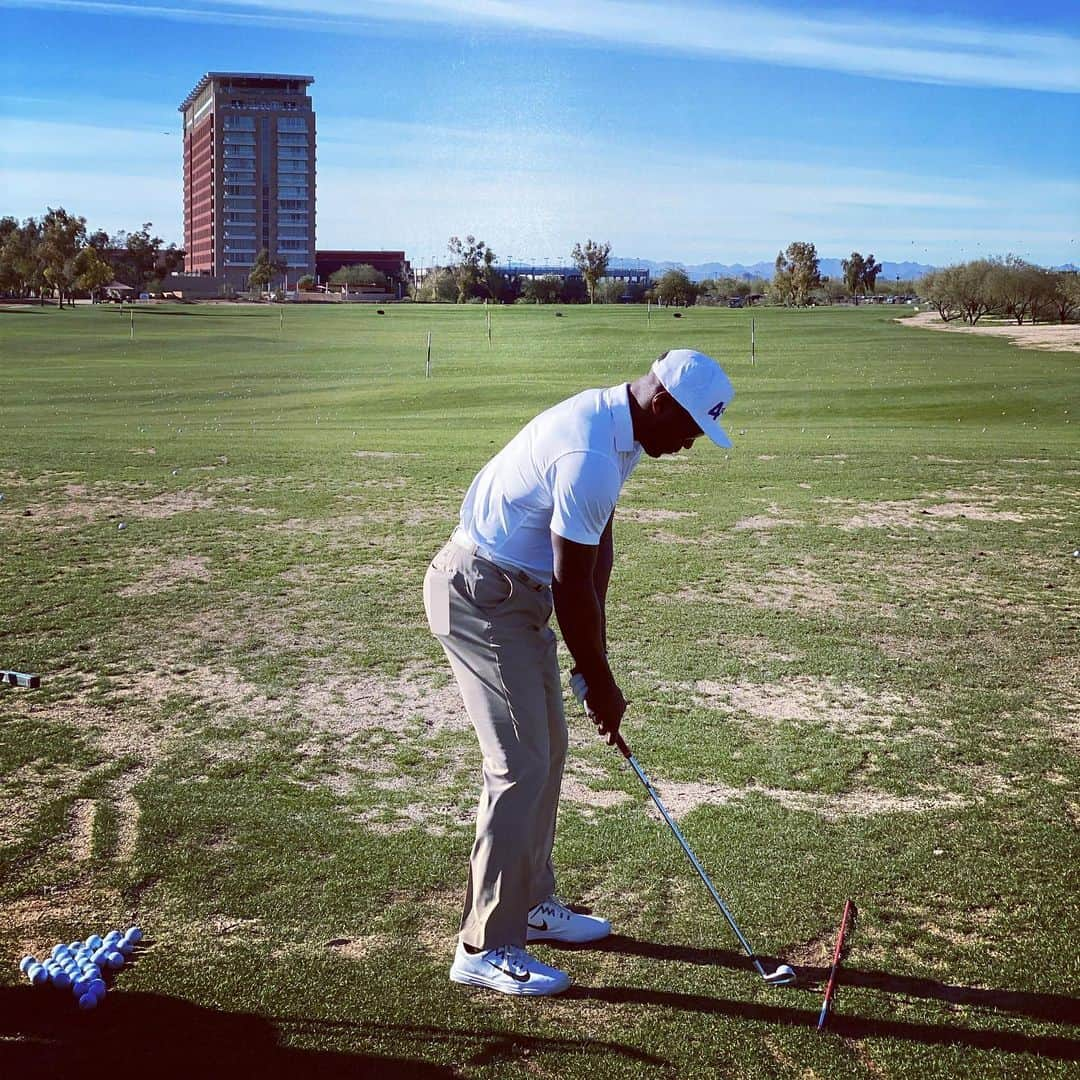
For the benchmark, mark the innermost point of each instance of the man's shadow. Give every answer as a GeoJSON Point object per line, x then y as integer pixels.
{"type": "Point", "coordinates": [1053, 1008]}
{"type": "Point", "coordinates": [44, 1034]}
{"type": "Point", "coordinates": [132, 1034]}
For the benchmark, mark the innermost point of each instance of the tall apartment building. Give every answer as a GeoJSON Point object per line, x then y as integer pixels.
{"type": "Point", "coordinates": [249, 174]}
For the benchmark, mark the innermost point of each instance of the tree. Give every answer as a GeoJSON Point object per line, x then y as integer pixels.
{"type": "Point", "coordinates": [62, 235]}
{"type": "Point", "coordinates": [261, 271]}
{"type": "Point", "coordinates": [360, 274]}
{"type": "Point", "coordinates": [23, 261]}
{"type": "Point", "coordinates": [676, 288]}
{"type": "Point", "coordinates": [1021, 289]}
{"type": "Point", "coordinates": [472, 260]}
{"type": "Point", "coordinates": [141, 251]}
{"type": "Point", "coordinates": [942, 289]}
{"type": "Point", "coordinates": [1065, 296]}
{"type": "Point", "coordinates": [853, 273]}
{"type": "Point", "coordinates": [797, 269]}
{"type": "Point", "coordinates": [871, 269]}
{"type": "Point", "coordinates": [306, 284]}
{"type": "Point", "coordinates": [974, 284]}
{"type": "Point", "coordinates": [544, 290]}
{"type": "Point", "coordinates": [91, 271]}
{"type": "Point", "coordinates": [592, 261]}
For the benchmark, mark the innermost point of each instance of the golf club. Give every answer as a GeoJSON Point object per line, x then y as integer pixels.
{"type": "Point", "coordinates": [784, 974]}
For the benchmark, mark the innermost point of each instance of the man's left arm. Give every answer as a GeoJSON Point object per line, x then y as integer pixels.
{"type": "Point", "coordinates": [605, 559]}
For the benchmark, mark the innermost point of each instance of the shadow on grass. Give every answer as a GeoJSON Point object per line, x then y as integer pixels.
{"type": "Point", "coordinates": [43, 1034]}
{"type": "Point", "coordinates": [483, 1048]}
{"type": "Point", "coordinates": [1053, 1008]}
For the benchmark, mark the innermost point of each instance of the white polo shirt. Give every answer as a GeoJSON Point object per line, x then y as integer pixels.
{"type": "Point", "coordinates": [561, 473]}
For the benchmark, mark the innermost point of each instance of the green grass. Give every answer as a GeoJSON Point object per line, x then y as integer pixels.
{"type": "Point", "coordinates": [852, 669]}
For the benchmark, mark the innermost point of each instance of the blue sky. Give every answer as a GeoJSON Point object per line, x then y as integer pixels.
{"type": "Point", "coordinates": [686, 130]}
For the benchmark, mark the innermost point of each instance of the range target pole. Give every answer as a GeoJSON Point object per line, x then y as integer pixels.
{"type": "Point", "coordinates": [753, 348]}
{"type": "Point", "coordinates": [132, 324]}
{"type": "Point", "coordinates": [428, 367]}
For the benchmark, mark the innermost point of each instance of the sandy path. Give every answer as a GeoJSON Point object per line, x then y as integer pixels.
{"type": "Point", "coordinates": [1056, 336]}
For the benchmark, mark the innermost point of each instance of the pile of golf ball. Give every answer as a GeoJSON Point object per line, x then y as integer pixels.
{"type": "Point", "coordinates": [79, 966]}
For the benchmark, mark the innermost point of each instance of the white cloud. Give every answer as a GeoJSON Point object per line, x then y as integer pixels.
{"type": "Point", "coordinates": [923, 49]}
{"type": "Point", "coordinates": [532, 194]}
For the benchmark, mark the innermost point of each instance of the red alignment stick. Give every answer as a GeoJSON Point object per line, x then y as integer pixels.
{"type": "Point", "coordinates": [849, 911]}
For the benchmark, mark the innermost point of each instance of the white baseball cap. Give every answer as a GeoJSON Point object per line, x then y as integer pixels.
{"type": "Point", "coordinates": [699, 385]}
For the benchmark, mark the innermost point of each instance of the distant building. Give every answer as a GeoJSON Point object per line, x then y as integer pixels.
{"type": "Point", "coordinates": [391, 263]}
{"type": "Point", "coordinates": [249, 174]}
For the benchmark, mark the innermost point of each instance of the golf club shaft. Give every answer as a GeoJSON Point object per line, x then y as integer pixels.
{"type": "Point", "coordinates": [620, 742]}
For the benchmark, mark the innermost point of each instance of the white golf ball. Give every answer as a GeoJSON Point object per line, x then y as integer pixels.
{"type": "Point", "coordinates": [88, 1001]}
{"type": "Point", "coordinates": [37, 974]}
{"type": "Point", "coordinates": [25, 962]}
{"type": "Point", "coordinates": [99, 956]}
{"type": "Point", "coordinates": [94, 941]}
{"type": "Point", "coordinates": [112, 937]}
{"type": "Point", "coordinates": [61, 979]}
{"type": "Point", "coordinates": [97, 987]}
{"type": "Point", "coordinates": [115, 959]}
{"type": "Point", "coordinates": [133, 933]}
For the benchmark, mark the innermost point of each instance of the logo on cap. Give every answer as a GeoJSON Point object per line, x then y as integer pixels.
{"type": "Point", "coordinates": [717, 409]}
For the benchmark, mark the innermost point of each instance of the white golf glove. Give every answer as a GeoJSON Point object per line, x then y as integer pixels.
{"type": "Point", "coordinates": [578, 686]}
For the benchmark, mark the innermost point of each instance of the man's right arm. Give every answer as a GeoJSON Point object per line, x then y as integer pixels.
{"type": "Point", "coordinates": [581, 619]}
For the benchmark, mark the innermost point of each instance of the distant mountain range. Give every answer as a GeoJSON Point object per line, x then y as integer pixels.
{"type": "Point", "coordinates": [890, 271]}
{"type": "Point", "coordinates": [906, 271]}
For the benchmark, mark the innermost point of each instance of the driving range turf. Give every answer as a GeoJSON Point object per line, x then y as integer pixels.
{"type": "Point", "coordinates": [849, 646]}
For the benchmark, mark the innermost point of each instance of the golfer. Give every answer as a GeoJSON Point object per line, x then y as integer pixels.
{"type": "Point", "coordinates": [535, 534]}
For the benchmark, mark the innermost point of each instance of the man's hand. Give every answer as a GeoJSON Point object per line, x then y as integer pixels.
{"type": "Point", "coordinates": [604, 710]}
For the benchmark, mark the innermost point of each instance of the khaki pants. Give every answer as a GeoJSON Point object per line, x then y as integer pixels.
{"type": "Point", "coordinates": [493, 624]}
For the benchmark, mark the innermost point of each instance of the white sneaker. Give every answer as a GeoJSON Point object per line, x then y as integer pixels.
{"type": "Point", "coordinates": [509, 970]}
{"type": "Point", "coordinates": [554, 921]}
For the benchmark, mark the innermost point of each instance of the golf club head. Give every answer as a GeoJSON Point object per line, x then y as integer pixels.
{"type": "Point", "coordinates": [784, 975]}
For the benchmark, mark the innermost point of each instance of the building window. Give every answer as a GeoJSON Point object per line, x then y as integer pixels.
{"type": "Point", "coordinates": [293, 204]}
{"type": "Point", "coordinates": [238, 123]}
{"type": "Point", "coordinates": [291, 123]}
{"type": "Point", "coordinates": [294, 192]}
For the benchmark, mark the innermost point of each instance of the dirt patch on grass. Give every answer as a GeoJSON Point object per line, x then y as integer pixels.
{"type": "Point", "coordinates": [683, 798]}
{"type": "Point", "coordinates": [177, 572]}
{"type": "Point", "coordinates": [358, 948]}
{"type": "Point", "coordinates": [817, 952]}
{"type": "Point", "coordinates": [383, 454]}
{"type": "Point", "coordinates": [808, 700]}
{"type": "Point", "coordinates": [102, 500]}
{"type": "Point", "coordinates": [1053, 336]}
{"type": "Point", "coordinates": [916, 513]}
{"type": "Point", "coordinates": [648, 516]}
{"type": "Point", "coordinates": [1060, 686]}
{"type": "Point", "coordinates": [783, 588]}
{"type": "Point", "coordinates": [764, 521]}
{"type": "Point", "coordinates": [80, 828]}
